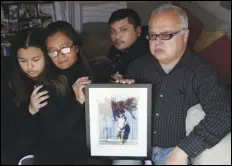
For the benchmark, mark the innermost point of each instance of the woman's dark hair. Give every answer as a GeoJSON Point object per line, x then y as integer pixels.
{"type": "Point", "coordinates": [33, 37]}
{"type": "Point", "coordinates": [66, 28]}
{"type": "Point", "coordinates": [70, 32]}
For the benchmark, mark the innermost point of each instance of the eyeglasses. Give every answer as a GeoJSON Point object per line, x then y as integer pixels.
{"type": "Point", "coordinates": [167, 36]}
{"type": "Point", "coordinates": [64, 50]}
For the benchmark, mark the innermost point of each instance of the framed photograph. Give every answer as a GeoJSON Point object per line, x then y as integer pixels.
{"type": "Point", "coordinates": [118, 120]}
{"type": "Point", "coordinates": [4, 25]}
{"type": "Point", "coordinates": [27, 11]}
{"type": "Point", "coordinates": [5, 50]}
{"type": "Point", "coordinates": [4, 11]}
{"type": "Point", "coordinates": [13, 25]}
{"type": "Point", "coordinates": [13, 11]}
{"type": "Point", "coordinates": [45, 9]}
{"type": "Point", "coordinates": [4, 38]}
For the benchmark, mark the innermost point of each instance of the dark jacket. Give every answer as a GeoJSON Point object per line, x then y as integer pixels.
{"type": "Point", "coordinates": [7, 133]}
{"type": "Point", "coordinates": [63, 123]}
{"type": "Point", "coordinates": [18, 126]}
{"type": "Point", "coordinates": [122, 59]}
{"type": "Point", "coordinates": [64, 131]}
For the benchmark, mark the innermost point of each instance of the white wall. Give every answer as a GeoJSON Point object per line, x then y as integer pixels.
{"type": "Point", "coordinates": [144, 8]}
{"type": "Point", "coordinates": [215, 9]}
{"type": "Point", "coordinates": [212, 15]}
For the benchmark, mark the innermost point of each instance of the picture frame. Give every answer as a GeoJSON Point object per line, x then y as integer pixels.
{"type": "Point", "coordinates": [118, 120]}
{"type": "Point", "coordinates": [4, 11]}
{"type": "Point", "coordinates": [4, 26]}
{"type": "Point", "coordinates": [13, 11]}
{"type": "Point", "coordinates": [27, 11]}
{"type": "Point", "coordinates": [13, 25]}
{"type": "Point", "coordinates": [45, 10]}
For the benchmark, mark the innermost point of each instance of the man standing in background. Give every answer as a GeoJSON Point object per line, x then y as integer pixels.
{"type": "Point", "coordinates": [128, 45]}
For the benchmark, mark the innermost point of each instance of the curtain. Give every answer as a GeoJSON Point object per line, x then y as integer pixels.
{"type": "Point", "coordinates": [69, 11]}
{"type": "Point", "coordinates": [77, 14]}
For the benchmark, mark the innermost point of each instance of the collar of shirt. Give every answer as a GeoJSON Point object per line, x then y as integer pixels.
{"type": "Point", "coordinates": [137, 45]}
{"type": "Point", "coordinates": [186, 59]}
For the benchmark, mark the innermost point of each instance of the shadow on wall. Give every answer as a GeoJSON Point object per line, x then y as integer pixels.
{"type": "Point", "coordinates": [96, 39]}
{"type": "Point", "coordinates": [145, 9]}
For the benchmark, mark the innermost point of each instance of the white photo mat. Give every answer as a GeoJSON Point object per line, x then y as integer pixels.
{"type": "Point", "coordinates": [98, 95]}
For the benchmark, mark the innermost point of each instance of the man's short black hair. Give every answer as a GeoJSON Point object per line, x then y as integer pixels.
{"type": "Point", "coordinates": [120, 14]}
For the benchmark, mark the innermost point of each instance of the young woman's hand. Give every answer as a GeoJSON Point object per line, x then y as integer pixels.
{"type": "Point", "coordinates": [37, 100]}
{"type": "Point", "coordinates": [78, 88]}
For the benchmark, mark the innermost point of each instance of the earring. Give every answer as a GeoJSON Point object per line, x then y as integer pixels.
{"type": "Point", "coordinates": [77, 50]}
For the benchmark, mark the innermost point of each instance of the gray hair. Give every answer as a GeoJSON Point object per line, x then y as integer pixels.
{"type": "Point", "coordinates": [167, 8]}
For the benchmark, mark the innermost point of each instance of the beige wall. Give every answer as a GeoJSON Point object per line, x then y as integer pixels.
{"type": "Point", "coordinates": [212, 15]}
{"type": "Point", "coordinates": [144, 8]}
{"type": "Point", "coordinates": [215, 9]}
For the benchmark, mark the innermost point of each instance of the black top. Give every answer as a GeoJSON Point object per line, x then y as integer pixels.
{"type": "Point", "coordinates": [7, 112]}
{"type": "Point", "coordinates": [63, 123]}
{"type": "Point", "coordinates": [191, 81]}
{"type": "Point", "coordinates": [63, 131]}
{"type": "Point", "coordinates": [19, 127]}
{"type": "Point", "coordinates": [121, 59]}
{"type": "Point", "coordinates": [77, 70]}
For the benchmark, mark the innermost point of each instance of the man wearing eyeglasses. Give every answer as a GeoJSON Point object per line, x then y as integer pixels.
{"type": "Point", "coordinates": [128, 45]}
{"type": "Point", "coordinates": [180, 80]}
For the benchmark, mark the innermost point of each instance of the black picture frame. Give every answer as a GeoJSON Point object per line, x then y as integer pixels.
{"type": "Point", "coordinates": [105, 107]}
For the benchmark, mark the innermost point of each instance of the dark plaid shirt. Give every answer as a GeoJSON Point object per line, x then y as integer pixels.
{"type": "Point", "coordinates": [191, 81]}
